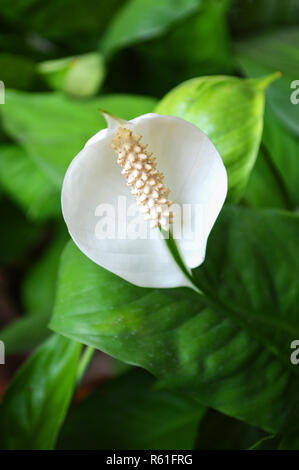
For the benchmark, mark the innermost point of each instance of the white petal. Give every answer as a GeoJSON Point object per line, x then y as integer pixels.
{"type": "Point", "coordinates": [193, 171]}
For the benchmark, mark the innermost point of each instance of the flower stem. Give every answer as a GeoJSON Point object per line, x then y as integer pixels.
{"type": "Point", "coordinates": [176, 254]}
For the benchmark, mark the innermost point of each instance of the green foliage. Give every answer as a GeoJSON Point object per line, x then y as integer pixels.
{"type": "Point", "coordinates": [230, 111]}
{"type": "Point", "coordinates": [272, 52]}
{"type": "Point", "coordinates": [53, 128]}
{"type": "Point", "coordinates": [79, 76]}
{"type": "Point", "coordinates": [39, 197]}
{"type": "Point", "coordinates": [172, 333]}
{"type": "Point", "coordinates": [35, 404]}
{"type": "Point", "coordinates": [140, 417]}
{"type": "Point", "coordinates": [248, 250]}
{"type": "Point", "coordinates": [138, 21]}
{"type": "Point", "coordinates": [216, 367]}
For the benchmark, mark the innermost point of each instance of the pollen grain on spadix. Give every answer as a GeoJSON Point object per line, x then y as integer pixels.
{"type": "Point", "coordinates": [146, 182]}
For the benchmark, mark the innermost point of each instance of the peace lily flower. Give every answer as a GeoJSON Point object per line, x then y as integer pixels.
{"type": "Point", "coordinates": [143, 160]}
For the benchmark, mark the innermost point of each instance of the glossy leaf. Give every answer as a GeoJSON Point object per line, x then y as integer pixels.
{"type": "Point", "coordinates": [139, 417]}
{"type": "Point", "coordinates": [251, 274]}
{"type": "Point", "coordinates": [172, 334]}
{"type": "Point", "coordinates": [36, 401]}
{"type": "Point", "coordinates": [230, 111]}
{"type": "Point", "coordinates": [27, 184]}
{"type": "Point", "coordinates": [137, 21]}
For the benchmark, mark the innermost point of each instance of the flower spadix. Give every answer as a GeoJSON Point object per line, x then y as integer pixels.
{"type": "Point", "coordinates": [146, 181]}
{"type": "Point", "coordinates": [136, 164]}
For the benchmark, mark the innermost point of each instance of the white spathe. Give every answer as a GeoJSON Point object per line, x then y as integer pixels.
{"type": "Point", "coordinates": [194, 172]}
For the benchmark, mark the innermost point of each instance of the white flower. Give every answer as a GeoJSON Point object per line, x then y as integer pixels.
{"type": "Point", "coordinates": [139, 160]}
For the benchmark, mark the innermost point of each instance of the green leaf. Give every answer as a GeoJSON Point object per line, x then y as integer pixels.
{"type": "Point", "coordinates": [36, 401]}
{"type": "Point", "coordinates": [171, 333]}
{"type": "Point", "coordinates": [140, 417]}
{"type": "Point", "coordinates": [141, 20]}
{"type": "Point", "coordinates": [27, 184]}
{"type": "Point", "coordinates": [274, 179]}
{"type": "Point", "coordinates": [250, 273]}
{"type": "Point", "coordinates": [25, 333]}
{"type": "Point", "coordinates": [272, 52]}
{"type": "Point", "coordinates": [38, 293]}
{"type": "Point", "coordinates": [266, 443]}
{"type": "Point", "coordinates": [200, 42]}
{"type": "Point", "coordinates": [230, 111]}
{"type": "Point", "coordinates": [39, 285]}
{"type": "Point", "coordinates": [283, 147]}
{"type": "Point", "coordinates": [78, 76]}
{"type": "Point", "coordinates": [53, 128]}
{"type": "Point", "coordinates": [198, 45]}
{"type": "Point", "coordinates": [265, 187]}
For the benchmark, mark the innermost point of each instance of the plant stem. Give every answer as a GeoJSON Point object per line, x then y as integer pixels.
{"type": "Point", "coordinates": [84, 362]}
{"type": "Point", "coordinates": [176, 254]}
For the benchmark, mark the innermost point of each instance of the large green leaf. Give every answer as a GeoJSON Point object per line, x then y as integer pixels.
{"type": "Point", "coordinates": [271, 52]}
{"type": "Point", "coordinates": [230, 111]}
{"type": "Point", "coordinates": [171, 333]}
{"type": "Point", "coordinates": [26, 183]}
{"type": "Point", "coordinates": [53, 128]}
{"type": "Point", "coordinates": [143, 19]}
{"type": "Point", "coordinates": [130, 413]}
{"type": "Point", "coordinates": [251, 273]}
{"type": "Point", "coordinates": [36, 401]}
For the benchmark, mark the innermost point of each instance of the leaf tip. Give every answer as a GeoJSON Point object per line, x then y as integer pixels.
{"type": "Point", "coordinates": [264, 82]}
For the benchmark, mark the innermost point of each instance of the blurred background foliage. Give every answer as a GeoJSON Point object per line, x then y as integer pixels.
{"type": "Point", "coordinates": [60, 62]}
